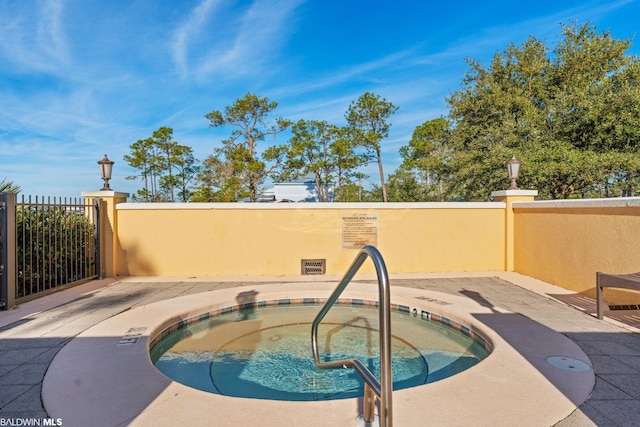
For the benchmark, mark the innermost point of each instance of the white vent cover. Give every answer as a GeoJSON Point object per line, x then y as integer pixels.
{"type": "Point", "coordinates": [314, 266]}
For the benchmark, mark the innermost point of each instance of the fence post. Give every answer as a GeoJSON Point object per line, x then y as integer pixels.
{"type": "Point", "coordinates": [109, 243]}
{"type": "Point", "coordinates": [97, 248]}
{"type": "Point", "coordinates": [7, 250]}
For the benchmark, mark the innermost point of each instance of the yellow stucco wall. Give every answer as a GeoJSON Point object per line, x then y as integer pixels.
{"type": "Point", "coordinates": [561, 242]}
{"type": "Point", "coordinates": [566, 243]}
{"type": "Point", "coordinates": [255, 239]}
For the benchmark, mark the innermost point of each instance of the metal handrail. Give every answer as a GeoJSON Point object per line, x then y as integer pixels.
{"type": "Point", "coordinates": [383, 388]}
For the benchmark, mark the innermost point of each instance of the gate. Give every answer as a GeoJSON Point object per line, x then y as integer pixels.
{"type": "Point", "coordinates": [45, 245]}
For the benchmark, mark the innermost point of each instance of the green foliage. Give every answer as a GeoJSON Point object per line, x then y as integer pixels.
{"type": "Point", "coordinates": [404, 186]}
{"type": "Point", "coordinates": [187, 169]}
{"type": "Point", "coordinates": [157, 158]}
{"type": "Point", "coordinates": [144, 157]}
{"type": "Point", "coordinates": [163, 140]}
{"type": "Point", "coordinates": [218, 180]}
{"type": "Point", "coordinates": [248, 115]}
{"type": "Point", "coordinates": [350, 192]}
{"type": "Point", "coordinates": [55, 247]}
{"type": "Point", "coordinates": [309, 153]}
{"type": "Point", "coordinates": [571, 114]}
{"type": "Point", "coordinates": [426, 163]}
{"type": "Point", "coordinates": [368, 118]}
{"type": "Point", "coordinates": [8, 187]}
{"type": "Point", "coordinates": [324, 151]}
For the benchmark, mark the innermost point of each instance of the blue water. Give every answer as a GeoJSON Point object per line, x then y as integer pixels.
{"type": "Point", "coordinates": [253, 355]}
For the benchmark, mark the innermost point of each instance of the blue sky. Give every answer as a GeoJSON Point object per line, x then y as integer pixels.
{"type": "Point", "coordinates": [81, 78]}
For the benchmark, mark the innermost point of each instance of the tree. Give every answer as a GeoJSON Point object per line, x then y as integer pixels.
{"type": "Point", "coordinates": [187, 169]}
{"type": "Point", "coordinates": [570, 113]}
{"type": "Point", "coordinates": [325, 151]}
{"type": "Point", "coordinates": [156, 158]}
{"type": "Point", "coordinates": [352, 190]}
{"type": "Point", "coordinates": [249, 116]}
{"type": "Point", "coordinates": [347, 163]}
{"type": "Point", "coordinates": [145, 158]}
{"type": "Point", "coordinates": [309, 152]}
{"type": "Point", "coordinates": [218, 181]}
{"type": "Point", "coordinates": [427, 157]}
{"type": "Point", "coordinates": [163, 140]}
{"type": "Point", "coordinates": [368, 118]}
{"type": "Point", "coordinates": [404, 186]}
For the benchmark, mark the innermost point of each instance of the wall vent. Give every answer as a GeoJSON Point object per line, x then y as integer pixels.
{"type": "Point", "coordinates": [314, 266]}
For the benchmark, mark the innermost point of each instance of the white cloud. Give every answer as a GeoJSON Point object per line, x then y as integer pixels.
{"type": "Point", "coordinates": [33, 38]}
{"type": "Point", "coordinates": [254, 38]}
{"type": "Point", "coordinates": [194, 24]}
{"type": "Point", "coordinates": [362, 71]}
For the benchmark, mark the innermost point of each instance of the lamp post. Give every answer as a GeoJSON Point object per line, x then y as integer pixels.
{"type": "Point", "coordinates": [513, 166]}
{"type": "Point", "coordinates": [106, 167]}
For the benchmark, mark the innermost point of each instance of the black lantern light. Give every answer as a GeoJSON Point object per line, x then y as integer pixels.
{"type": "Point", "coordinates": [106, 167]}
{"type": "Point", "coordinates": [514, 170]}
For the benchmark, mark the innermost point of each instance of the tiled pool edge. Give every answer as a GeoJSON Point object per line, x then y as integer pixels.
{"type": "Point", "coordinates": [425, 315]}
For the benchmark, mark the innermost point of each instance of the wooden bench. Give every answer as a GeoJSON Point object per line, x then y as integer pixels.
{"type": "Point", "coordinates": [625, 281]}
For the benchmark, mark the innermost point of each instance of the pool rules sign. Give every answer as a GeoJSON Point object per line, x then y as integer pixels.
{"type": "Point", "coordinates": [359, 229]}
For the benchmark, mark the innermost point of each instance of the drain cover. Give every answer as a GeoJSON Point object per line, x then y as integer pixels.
{"type": "Point", "coordinates": [360, 422]}
{"type": "Point", "coordinates": [567, 363]}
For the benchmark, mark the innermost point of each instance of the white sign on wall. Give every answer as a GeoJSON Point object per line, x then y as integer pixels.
{"type": "Point", "coordinates": [359, 229]}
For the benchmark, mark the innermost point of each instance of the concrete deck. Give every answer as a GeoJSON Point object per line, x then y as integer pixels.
{"type": "Point", "coordinates": [33, 334]}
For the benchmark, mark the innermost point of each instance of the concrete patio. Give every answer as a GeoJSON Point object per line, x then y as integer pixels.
{"type": "Point", "coordinates": [32, 334]}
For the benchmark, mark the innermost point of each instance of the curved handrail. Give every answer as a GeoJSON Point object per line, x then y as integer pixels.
{"type": "Point", "coordinates": [383, 388]}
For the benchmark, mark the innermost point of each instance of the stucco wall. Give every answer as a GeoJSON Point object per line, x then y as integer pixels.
{"type": "Point", "coordinates": [271, 239]}
{"type": "Point", "coordinates": [566, 242]}
{"type": "Point", "coordinates": [562, 242]}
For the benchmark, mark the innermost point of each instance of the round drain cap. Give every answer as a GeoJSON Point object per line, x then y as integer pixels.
{"type": "Point", "coordinates": [568, 364]}
{"type": "Point", "coordinates": [360, 422]}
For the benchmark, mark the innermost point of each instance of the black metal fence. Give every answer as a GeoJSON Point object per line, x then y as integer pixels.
{"type": "Point", "coordinates": [46, 244]}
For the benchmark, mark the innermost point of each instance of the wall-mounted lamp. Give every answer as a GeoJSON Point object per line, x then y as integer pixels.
{"type": "Point", "coordinates": [106, 166]}
{"type": "Point", "coordinates": [514, 170]}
